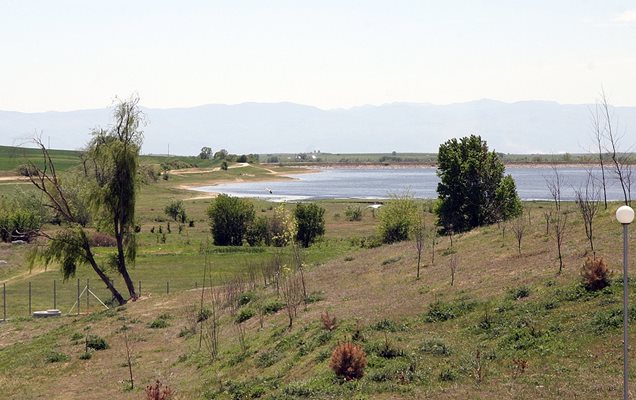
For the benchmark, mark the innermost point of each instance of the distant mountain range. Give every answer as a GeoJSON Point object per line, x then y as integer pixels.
{"type": "Point", "coordinates": [521, 127]}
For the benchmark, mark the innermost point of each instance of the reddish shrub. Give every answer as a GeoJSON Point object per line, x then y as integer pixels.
{"type": "Point", "coordinates": [327, 322]}
{"type": "Point", "coordinates": [157, 391]}
{"type": "Point", "coordinates": [99, 239]}
{"type": "Point", "coordinates": [594, 274]}
{"type": "Point", "coordinates": [348, 361]}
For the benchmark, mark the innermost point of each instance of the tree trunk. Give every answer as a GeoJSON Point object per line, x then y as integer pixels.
{"type": "Point", "coordinates": [101, 274]}
{"type": "Point", "coordinates": [121, 262]}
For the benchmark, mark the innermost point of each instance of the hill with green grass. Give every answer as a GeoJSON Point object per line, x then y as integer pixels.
{"type": "Point", "coordinates": [502, 325]}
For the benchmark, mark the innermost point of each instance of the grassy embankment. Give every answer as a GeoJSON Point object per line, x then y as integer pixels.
{"type": "Point", "coordinates": [538, 335]}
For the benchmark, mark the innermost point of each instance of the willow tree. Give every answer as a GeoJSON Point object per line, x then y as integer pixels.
{"type": "Point", "coordinates": [109, 189]}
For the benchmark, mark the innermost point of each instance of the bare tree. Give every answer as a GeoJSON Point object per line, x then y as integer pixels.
{"type": "Point", "coordinates": [588, 200]}
{"type": "Point", "coordinates": [128, 356]}
{"type": "Point", "coordinates": [597, 128]}
{"type": "Point", "coordinates": [419, 233]}
{"type": "Point", "coordinates": [621, 160]}
{"type": "Point", "coordinates": [519, 226]}
{"type": "Point", "coordinates": [291, 289]}
{"type": "Point", "coordinates": [452, 264]}
{"type": "Point", "coordinates": [434, 239]}
{"type": "Point", "coordinates": [547, 215]}
{"type": "Point", "coordinates": [560, 215]}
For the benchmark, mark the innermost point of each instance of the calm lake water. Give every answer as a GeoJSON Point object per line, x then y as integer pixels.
{"type": "Point", "coordinates": [379, 183]}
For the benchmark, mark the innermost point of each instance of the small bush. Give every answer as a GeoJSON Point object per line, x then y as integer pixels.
{"type": "Point", "coordinates": [76, 337]}
{"type": "Point", "coordinates": [388, 325]}
{"type": "Point", "coordinates": [435, 347]}
{"type": "Point", "coordinates": [440, 311]}
{"type": "Point", "coordinates": [348, 361]}
{"type": "Point", "coordinates": [86, 355]}
{"type": "Point", "coordinates": [204, 314]}
{"type": "Point", "coordinates": [353, 213]}
{"type": "Point", "coordinates": [447, 375]}
{"type": "Point", "coordinates": [519, 293]}
{"type": "Point", "coordinates": [594, 274]}
{"type": "Point", "coordinates": [244, 315]}
{"type": "Point", "coordinates": [297, 389]}
{"type": "Point", "coordinates": [245, 298]}
{"type": "Point", "coordinates": [328, 322]}
{"type": "Point", "coordinates": [160, 322]}
{"type": "Point", "coordinates": [348, 258]}
{"type": "Point", "coordinates": [157, 391]}
{"type": "Point", "coordinates": [391, 260]}
{"type": "Point", "coordinates": [96, 343]}
{"type": "Point", "coordinates": [273, 307]}
{"type": "Point", "coordinates": [267, 359]}
{"type": "Point", "coordinates": [99, 239]}
{"type": "Point", "coordinates": [54, 357]}
{"type": "Point", "coordinates": [314, 297]}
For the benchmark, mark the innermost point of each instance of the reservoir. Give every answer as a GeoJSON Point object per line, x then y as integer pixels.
{"type": "Point", "coordinates": [381, 182]}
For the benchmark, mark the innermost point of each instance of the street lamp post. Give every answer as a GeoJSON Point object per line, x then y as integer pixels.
{"type": "Point", "coordinates": [625, 215]}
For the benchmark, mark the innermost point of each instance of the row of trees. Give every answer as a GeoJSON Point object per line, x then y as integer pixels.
{"type": "Point", "coordinates": [224, 155]}
{"type": "Point", "coordinates": [233, 221]}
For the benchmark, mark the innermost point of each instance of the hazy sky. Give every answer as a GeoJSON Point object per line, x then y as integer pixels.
{"type": "Point", "coordinates": [64, 55]}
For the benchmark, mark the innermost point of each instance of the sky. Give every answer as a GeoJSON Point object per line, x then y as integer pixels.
{"type": "Point", "coordinates": [67, 55]}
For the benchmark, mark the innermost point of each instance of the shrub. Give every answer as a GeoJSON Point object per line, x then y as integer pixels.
{"type": "Point", "coordinates": [328, 322]}
{"type": "Point", "coordinates": [258, 233]}
{"type": "Point", "coordinates": [440, 311]}
{"type": "Point", "coordinates": [246, 298]}
{"type": "Point", "coordinates": [267, 358]}
{"type": "Point", "coordinates": [348, 361]}
{"type": "Point", "coordinates": [86, 356]}
{"type": "Point", "coordinates": [314, 297]}
{"type": "Point", "coordinates": [54, 357]}
{"type": "Point", "coordinates": [160, 322]}
{"type": "Point", "coordinates": [273, 307]}
{"type": "Point", "coordinates": [353, 213]}
{"type": "Point", "coordinates": [397, 217]}
{"type": "Point", "coordinates": [157, 391]}
{"type": "Point", "coordinates": [176, 211]}
{"type": "Point", "coordinates": [203, 314]}
{"type": "Point", "coordinates": [229, 219]}
{"type": "Point", "coordinates": [388, 325]}
{"type": "Point", "coordinates": [435, 347]}
{"type": "Point", "coordinates": [594, 274]}
{"type": "Point", "coordinates": [96, 343]}
{"type": "Point", "coordinates": [100, 239]}
{"type": "Point", "coordinates": [310, 220]}
{"type": "Point", "coordinates": [519, 293]}
{"type": "Point", "coordinates": [244, 315]}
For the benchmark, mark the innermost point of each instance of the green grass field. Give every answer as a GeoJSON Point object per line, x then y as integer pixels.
{"type": "Point", "coordinates": [508, 327]}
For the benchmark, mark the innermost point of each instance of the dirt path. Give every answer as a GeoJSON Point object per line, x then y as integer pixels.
{"type": "Point", "coordinates": [13, 178]}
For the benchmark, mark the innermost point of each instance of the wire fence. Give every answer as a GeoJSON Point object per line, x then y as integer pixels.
{"type": "Point", "coordinates": [72, 297]}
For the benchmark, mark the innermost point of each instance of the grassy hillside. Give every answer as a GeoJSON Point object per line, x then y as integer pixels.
{"type": "Point", "coordinates": [509, 327]}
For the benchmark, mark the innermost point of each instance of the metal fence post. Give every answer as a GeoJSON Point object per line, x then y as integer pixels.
{"type": "Point", "coordinates": [88, 296]}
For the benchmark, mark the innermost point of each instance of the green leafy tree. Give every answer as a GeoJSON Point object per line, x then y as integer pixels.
{"type": "Point", "coordinates": [206, 153]}
{"type": "Point", "coordinates": [507, 200]}
{"type": "Point", "coordinates": [229, 219]}
{"type": "Point", "coordinates": [110, 191]}
{"type": "Point", "coordinates": [469, 188]}
{"type": "Point", "coordinates": [257, 233]}
{"type": "Point", "coordinates": [176, 211]}
{"type": "Point", "coordinates": [397, 217]}
{"type": "Point", "coordinates": [221, 154]}
{"type": "Point", "coordinates": [310, 220]}
{"type": "Point", "coordinates": [282, 227]}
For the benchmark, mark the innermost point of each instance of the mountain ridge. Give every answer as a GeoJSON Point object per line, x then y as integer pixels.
{"type": "Point", "coordinates": [528, 126]}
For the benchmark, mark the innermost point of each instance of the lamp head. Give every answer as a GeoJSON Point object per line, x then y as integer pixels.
{"type": "Point", "coordinates": [625, 215]}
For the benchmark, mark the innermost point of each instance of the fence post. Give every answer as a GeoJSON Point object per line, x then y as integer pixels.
{"type": "Point", "coordinates": [4, 302]}
{"type": "Point", "coordinates": [167, 287]}
{"type": "Point", "coordinates": [30, 314]}
{"type": "Point", "coordinates": [78, 296]}
{"type": "Point", "coordinates": [88, 297]}
{"type": "Point", "coordinates": [54, 294]}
